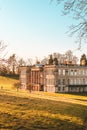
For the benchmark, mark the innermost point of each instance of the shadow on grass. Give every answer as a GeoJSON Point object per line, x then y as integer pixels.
{"type": "Point", "coordinates": [78, 93]}
{"type": "Point", "coordinates": [84, 100]}
{"type": "Point", "coordinates": [11, 122]}
{"type": "Point", "coordinates": [12, 76]}
{"type": "Point", "coordinates": [18, 113]}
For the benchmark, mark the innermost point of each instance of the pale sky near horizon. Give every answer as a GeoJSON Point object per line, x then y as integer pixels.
{"type": "Point", "coordinates": [35, 28]}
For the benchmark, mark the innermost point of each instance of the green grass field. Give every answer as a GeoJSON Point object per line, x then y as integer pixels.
{"type": "Point", "coordinates": [41, 111]}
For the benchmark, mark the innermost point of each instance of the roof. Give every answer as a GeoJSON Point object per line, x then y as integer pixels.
{"type": "Point", "coordinates": [38, 65]}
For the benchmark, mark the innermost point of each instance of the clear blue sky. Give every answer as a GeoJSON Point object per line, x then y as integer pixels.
{"type": "Point", "coordinates": [34, 28]}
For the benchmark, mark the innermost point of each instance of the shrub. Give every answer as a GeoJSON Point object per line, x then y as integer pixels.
{"type": "Point", "coordinates": [17, 85]}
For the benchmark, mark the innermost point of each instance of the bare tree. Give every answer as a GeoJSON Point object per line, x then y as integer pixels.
{"type": "Point", "coordinates": [12, 63]}
{"type": "Point", "coordinates": [21, 62]}
{"type": "Point", "coordinates": [78, 10]}
{"type": "Point", "coordinates": [44, 61]}
{"type": "Point", "coordinates": [2, 46]}
{"type": "Point", "coordinates": [2, 57]}
{"type": "Point", "coordinates": [58, 58]}
{"type": "Point", "coordinates": [30, 61]}
{"type": "Point", "coordinates": [70, 57]}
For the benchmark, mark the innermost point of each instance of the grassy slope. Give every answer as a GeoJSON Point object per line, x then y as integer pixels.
{"type": "Point", "coordinates": [7, 82]}
{"type": "Point", "coordinates": [41, 111]}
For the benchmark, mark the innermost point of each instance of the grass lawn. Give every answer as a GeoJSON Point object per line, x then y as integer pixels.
{"type": "Point", "coordinates": [7, 83]}
{"type": "Point", "coordinates": [42, 111]}
{"type": "Point", "coordinates": [38, 111]}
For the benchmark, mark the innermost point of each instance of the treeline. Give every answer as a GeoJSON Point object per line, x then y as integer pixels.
{"type": "Point", "coordinates": [11, 66]}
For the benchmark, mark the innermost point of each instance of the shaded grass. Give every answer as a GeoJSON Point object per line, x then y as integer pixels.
{"type": "Point", "coordinates": [78, 93]}
{"type": "Point", "coordinates": [27, 112]}
{"type": "Point", "coordinates": [12, 76]}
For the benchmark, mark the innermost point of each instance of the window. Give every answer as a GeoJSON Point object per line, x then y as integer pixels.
{"type": "Point", "coordinates": [63, 72]}
{"type": "Point", "coordinates": [86, 72]}
{"type": "Point", "coordinates": [63, 88]}
{"type": "Point", "coordinates": [71, 88]}
{"type": "Point", "coordinates": [80, 72]}
{"type": "Point", "coordinates": [75, 72]}
{"type": "Point", "coordinates": [83, 81]}
{"type": "Point", "coordinates": [71, 73]}
{"type": "Point", "coordinates": [75, 81]}
{"type": "Point", "coordinates": [58, 81]}
{"type": "Point", "coordinates": [63, 81]}
{"type": "Point", "coordinates": [59, 72]}
{"type": "Point", "coordinates": [58, 88]}
{"type": "Point", "coordinates": [66, 72]}
{"type": "Point", "coordinates": [83, 72]}
{"type": "Point", "coordinates": [71, 81]}
{"type": "Point", "coordinates": [79, 81]}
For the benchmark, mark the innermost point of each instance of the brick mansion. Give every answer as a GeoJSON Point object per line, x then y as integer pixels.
{"type": "Point", "coordinates": [54, 77]}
